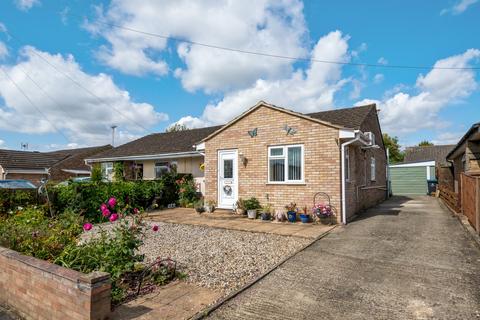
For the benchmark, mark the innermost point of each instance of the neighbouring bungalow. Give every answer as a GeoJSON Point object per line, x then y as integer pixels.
{"type": "Point", "coordinates": [273, 154]}
{"type": "Point", "coordinates": [56, 165]}
{"type": "Point", "coordinates": [420, 170]}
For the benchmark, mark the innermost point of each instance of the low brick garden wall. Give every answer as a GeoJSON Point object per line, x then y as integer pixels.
{"type": "Point", "coordinates": [37, 289]}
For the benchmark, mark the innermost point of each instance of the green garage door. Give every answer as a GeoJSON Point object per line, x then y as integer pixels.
{"type": "Point", "coordinates": [409, 180]}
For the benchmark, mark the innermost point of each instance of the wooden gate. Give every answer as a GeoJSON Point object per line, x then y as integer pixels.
{"type": "Point", "coordinates": [470, 199]}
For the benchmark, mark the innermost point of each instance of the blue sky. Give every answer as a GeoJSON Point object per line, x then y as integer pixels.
{"type": "Point", "coordinates": [83, 75]}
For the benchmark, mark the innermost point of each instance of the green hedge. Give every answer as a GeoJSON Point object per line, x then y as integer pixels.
{"type": "Point", "coordinates": [10, 199]}
{"type": "Point", "coordinates": [85, 198]}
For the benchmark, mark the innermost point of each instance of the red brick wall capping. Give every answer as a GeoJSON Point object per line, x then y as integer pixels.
{"type": "Point", "coordinates": [38, 289]}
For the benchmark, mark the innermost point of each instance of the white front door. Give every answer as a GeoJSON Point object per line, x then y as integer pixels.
{"type": "Point", "coordinates": [227, 178]}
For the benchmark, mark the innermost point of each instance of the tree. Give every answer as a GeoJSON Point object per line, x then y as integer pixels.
{"type": "Point", "coordinates": [425, 143]}
{"type": "Point", "coordinates": [391, 143]}
{"type": "Point", "coordinates": [96, 174]}
{"type": "Point", "coordinates": [176, 127]}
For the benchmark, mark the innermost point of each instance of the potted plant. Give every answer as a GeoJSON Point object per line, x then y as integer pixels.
{"type": "Point", "coordinates": [251, 205]}
{"type": "Point", "coordinates": [324, 212]}
{"type": "Point", "coordinates": [198, 205]}
{"type": "Point", "coordinates": [291, 211]}
{"type": "Point", "coordinates": [240, 206]}
{"type": "Point", "coordinates": [266, 213]}
{"type": "Point", "coordinates": [210, 206]}
{"type": "Point", "coordinates": [305, 217]}
{"type": "Point", "coordinates": [280, 216]}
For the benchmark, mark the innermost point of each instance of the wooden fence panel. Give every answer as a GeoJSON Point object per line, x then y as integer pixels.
{"type": "Point", "coordinates": [470, 194]}
{"type": "Point", "coordinates": [449, 197]}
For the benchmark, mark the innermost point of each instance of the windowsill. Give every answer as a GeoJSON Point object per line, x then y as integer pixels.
{"type": "Point", "coordinates": [286, 183]}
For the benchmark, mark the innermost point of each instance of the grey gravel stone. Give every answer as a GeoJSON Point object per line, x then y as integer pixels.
{"type": "Point", "coordinates": [213, 257]}
{"type": "Point", "coordinates": [218, 258]}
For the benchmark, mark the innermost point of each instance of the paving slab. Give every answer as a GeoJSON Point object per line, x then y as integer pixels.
{"type": "Point", "coordinates": [227, 220]}
{"type": "Point", "coordinates": [178, 300]}
{"type": "Point", "coordinates": [400, 260]}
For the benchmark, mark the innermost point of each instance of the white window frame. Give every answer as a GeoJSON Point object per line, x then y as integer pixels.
{"type": "Point", "coordinates": [285, 157]}
{"type": "Point", "coordinates": [155, 167]}
{"type": "Point", "coordinates": [107, 170]}
{"type": "Point", "coordinates": [373, 167]}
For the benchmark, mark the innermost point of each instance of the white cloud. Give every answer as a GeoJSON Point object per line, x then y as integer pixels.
{"type": "Point", "coordinates": [84, 118]}
{"type": "Point", "coordinates": [2, 142]}
{"type": "Point", "coordinates": [459, 7]}
{"type": "Point", "coordinates": [3, 50]}
{"type": "Point", "coordinates": [270, 26]}
{"type": "Point", "coordinates": [448, 138]}
{"type": "Point", "coordinates": [26, 5]}
{"type": "Point", "coordinates": [382, 61]}
{"type": "Point", "coordinates": [378, 78]}
{"type": "Point", "coordinates": [403, 112]}
{"type": "Point", "coordinates": [307, 90]}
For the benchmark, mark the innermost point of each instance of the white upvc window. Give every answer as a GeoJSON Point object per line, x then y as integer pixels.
{"type": "Point", "coordinates": [372, 168]}
{"type": "Point", "coordinates": [107, 170]}
{"type": "Point", "coordinates": [286, 164]}
{"type": "Point", "coordinates": [347, 164]}
{"type": "Point", "coordinates": [161, 168]}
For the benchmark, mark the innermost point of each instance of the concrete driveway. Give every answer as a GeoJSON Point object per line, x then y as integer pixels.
{"type": "Point", "coordinates": [405, 259]}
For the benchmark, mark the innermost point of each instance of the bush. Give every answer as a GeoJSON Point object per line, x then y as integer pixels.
{"type": "Point", "coordinates": [252, 204]}
{"type": "Point", "coordinates": [115, 252]}
{"type": "Point", "coordinates": [31, 232]}
{"type": "Point", "coordinates": [187, 191]}
{"type": "Point", "coordinates": [85, 197]}
{"type": "Point", "coordinates": [11, 199]}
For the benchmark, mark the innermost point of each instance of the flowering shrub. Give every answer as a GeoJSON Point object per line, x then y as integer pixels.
{"type": "Point", "coordinates": [85, 197]}
{"type": "Point", "coordinates": [187, 191]}
{"type": "Point", "coordinates": [114, 251]}
{"type": "Point", "coordinates": [322, 210]}
{"type": "Point", "coordinates": [31, 232]}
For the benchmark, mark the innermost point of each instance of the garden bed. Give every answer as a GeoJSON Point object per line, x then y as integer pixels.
{"type": "Point", "coordinates": [217, 258]}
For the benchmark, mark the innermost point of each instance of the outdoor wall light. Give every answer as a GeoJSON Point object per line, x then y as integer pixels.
{"type": "Point", "coordinates": [243, 159]}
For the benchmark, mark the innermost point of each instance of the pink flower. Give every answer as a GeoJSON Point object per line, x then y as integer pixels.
{"type": "Point", "coordinates": [113, 217]}
{"type": "Point", "coordinates": [106, 213]}
{"type": "Point", "coordinates": [112, 202]}
{"type": "Point", "coordinates": [103, 207]}
{"type": "Point", "coordinates": [87, 226]}
{"type": "Point", "coordinates": [155, 228]}
{"type": "Point", "coordinates": [135, 211]}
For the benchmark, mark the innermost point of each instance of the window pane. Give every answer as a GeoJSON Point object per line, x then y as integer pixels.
{"type": "Point", "coordinates": [228, 168]}
{"type": "Point", "coordinates": [277, 169]}
{"type": "Point", "coordinates": [276, 151]}
{"type": "Point", "coordinates": [295, 163]}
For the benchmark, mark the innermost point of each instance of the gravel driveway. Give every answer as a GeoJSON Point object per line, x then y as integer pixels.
{"type": "Point", "coordinates": [219, 258]}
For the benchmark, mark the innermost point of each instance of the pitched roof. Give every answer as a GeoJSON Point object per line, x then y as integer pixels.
{"type": "Point", "coordinates": [159, 143]}
{"type": "Point", "coordinates": [474, 128]}
{"type": "Point", "coordinates": [427, 153]}
{"type": "Point", "coordinates": [34, 160]}
{"type": "Point", "coordinates": [346, 117]}
{"type": "Point", "coordinates": [183, 141]}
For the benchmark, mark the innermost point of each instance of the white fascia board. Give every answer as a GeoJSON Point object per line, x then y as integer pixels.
{"type": "Point", "coordinates": [76, 171]}
{"type": "Point", "coordinates": [346, 133]}
{"type": "Point", "coordinates": [148, 157]}
{"type": "Point", "coordinates": [200, 146]}
{"type": "Point", "coordinates": [413, 164]}
{"type": "Point", "coordinates": [31, 171]}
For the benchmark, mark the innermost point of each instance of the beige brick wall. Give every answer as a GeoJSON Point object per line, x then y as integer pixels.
{"type": "Point", "coordinates": [322, 158]}
{"type": "Point", "coordinates": [361, 191]}
{"type": "Point", "coordinates": [37, 289]}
